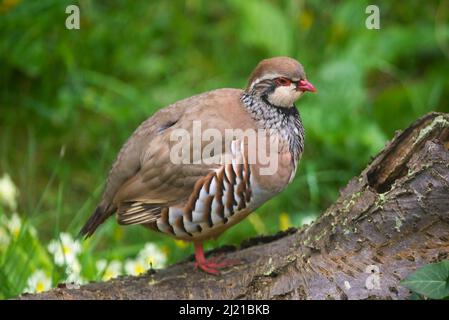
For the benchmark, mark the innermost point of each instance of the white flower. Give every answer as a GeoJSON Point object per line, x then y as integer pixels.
{"type": "Point", "coordinates": [8, 192]}
{"type": "Point", "coordinates": [109, 270]}
{"type": "Point", "coordinates": [149, 257]}
{"type": "Point", "coordinates": [101, 265]}
{"type": "Point", "coordinates": [75, 279]}
{"type": "Point", "coordinates": [64, 249]}
{"type": "Point", "coordinates": [307, 220]}
{"type": "Point", "coordinates": [74, 268]}
{"type": "Point", "coordinates": [134, 267]}
{"type": "Point", "coordinates": [14, 225]}
{"type": "Point", "coordinates": [152, 256]}
{"type": "Point", "coordinates": [4, 238]}
{"type": "Point", "coordinates": [38, 282]}
{"type": "Point", "coordinates": [73, 272]}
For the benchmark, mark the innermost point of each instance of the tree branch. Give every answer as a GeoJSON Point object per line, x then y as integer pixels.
{"type": "Point", "coordinates": [394, 217]}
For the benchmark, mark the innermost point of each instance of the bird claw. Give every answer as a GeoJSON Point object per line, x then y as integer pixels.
{"type": "Point", "coordinates": [213, 265]}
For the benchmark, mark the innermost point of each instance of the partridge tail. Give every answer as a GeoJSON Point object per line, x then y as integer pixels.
{"type": "Point", "coordinates": [98, 217]}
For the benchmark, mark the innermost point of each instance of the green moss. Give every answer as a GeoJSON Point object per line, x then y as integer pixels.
{"type": "Point", "coordinates": [381, 199]}
{"type": "Point", "coordinates": [439, 121]}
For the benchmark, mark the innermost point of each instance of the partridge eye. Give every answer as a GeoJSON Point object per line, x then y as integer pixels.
{"type": "Point", "coordinates": [282, 81]}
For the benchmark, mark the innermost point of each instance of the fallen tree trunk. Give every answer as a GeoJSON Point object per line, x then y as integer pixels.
{"type": "Point", "coordinates": [387, 222]}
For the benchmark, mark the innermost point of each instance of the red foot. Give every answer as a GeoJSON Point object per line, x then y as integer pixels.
{"type": "Point", "coordinates": [212, 265]}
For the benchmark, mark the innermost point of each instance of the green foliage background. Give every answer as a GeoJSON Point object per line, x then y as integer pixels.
{"type": "Point", "coordinates": [70, 98]}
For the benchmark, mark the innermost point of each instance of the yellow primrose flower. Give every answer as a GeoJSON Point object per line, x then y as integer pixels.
{"type": "Point", "coordinates": [181, 244]}
{"type": "Point", "coordinates": [284, 221]}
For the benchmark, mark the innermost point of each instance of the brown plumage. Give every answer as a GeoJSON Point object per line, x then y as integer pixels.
{"type": "Point", "coordinates": [198, 199]}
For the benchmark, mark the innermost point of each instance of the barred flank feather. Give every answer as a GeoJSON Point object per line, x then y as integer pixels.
{"type": "Point", "coordinates": [138, 213]}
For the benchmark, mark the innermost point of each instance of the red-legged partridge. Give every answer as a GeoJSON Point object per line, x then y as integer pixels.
{"type": "Point", "coordinates": [202, 164]}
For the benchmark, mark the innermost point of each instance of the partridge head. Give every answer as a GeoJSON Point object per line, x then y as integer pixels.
{"type": "Point", "coordinates": [194, 168]}
{"type": "Point", "coordinates": [279, 82]}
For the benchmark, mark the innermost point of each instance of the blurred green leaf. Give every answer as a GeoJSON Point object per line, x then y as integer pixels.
{"type": "Point", "coordinates": [264, 25]}
{"type": "Point", "coordinates": [431, 280]}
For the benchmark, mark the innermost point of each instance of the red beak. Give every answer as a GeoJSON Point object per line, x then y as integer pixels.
{"type": "Point", "coordinates": [305, 85]}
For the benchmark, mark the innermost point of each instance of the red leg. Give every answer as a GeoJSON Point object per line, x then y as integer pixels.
{"type": "Point", "coordinates": [209, 266]}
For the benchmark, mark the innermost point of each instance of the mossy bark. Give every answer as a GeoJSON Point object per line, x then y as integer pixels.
{"type": "Point", "coordinates": [387, 222]}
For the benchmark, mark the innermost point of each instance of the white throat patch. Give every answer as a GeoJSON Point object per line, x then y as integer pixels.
{"type": "Point", "coordinates": [284, 96]}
